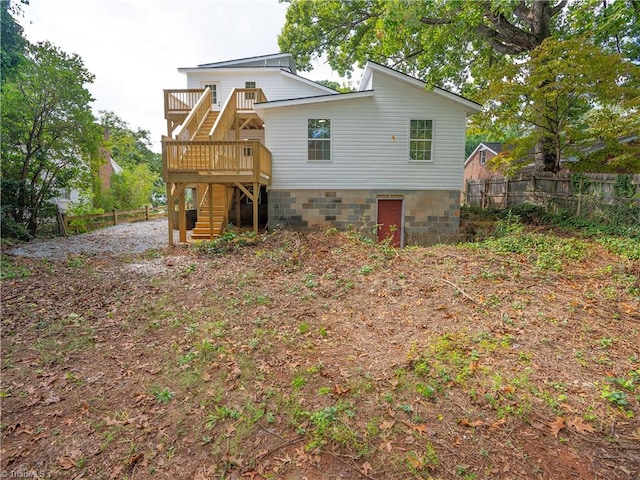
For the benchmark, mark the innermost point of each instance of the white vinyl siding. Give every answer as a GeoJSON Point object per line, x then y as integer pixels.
{"type": "Point", "coordinates": [369, 141]}
{"type": "Point", "coordinates": [274, 85]}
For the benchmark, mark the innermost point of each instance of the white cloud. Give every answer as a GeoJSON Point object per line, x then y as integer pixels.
{"type": "Point", "coordinates": [134, 47]}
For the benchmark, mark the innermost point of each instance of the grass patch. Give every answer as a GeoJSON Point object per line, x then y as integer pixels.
{"type": "Point", "coordinates": [10, 269]}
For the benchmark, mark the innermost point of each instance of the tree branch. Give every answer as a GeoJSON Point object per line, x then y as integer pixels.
{"type": "Point", "coordinates": [436, 21]}
{"type": "Point", "coordinates": [522, 11]}
{"type": "Point", "coordinates": [558, 8]}
{"type": "Point", "coordinates": [511, 37]}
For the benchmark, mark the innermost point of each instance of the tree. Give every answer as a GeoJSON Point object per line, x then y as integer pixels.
{"type": "Point", "coordinates": [12, 43]}
{"type": "Point", "coordinates": [131, 149]}
{"type": "Point", "coordinates": [49, 138]}
{"type": "Point", "coordinates": [127, 146]}
{"type": "Point", "coordinates": [568, 96]}
{"type": "Point", "coordinates": [133, 187]}
{"type": "Point", "coordinates": [454, 44]}
{"type": "Point", "coordinates": [336, 86]}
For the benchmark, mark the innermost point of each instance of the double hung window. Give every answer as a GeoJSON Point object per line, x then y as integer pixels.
{"type": "Point", "coordinates": [319, 139]}
{"type": "Point", "coordinates": [421, 140]}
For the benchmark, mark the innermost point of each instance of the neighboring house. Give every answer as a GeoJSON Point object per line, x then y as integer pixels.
{"type": "Point", "coordinates": [387, 154]}
{"type": "Point", "coordinates": [475, 166]}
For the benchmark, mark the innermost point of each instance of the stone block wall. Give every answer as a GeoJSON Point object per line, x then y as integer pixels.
{"type": "Point", "coordinates": [430, 216]}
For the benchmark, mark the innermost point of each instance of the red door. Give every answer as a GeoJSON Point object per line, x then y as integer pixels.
{"type": "Point", "coordinates": [390, 221]}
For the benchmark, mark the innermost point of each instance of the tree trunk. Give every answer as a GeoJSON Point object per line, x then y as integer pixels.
{"type": "Point", "coordinates": [546, 155]}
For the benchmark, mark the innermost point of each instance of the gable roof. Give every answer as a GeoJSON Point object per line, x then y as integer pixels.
{"type": "Point", "coordinates": [364, 90]}
{"type": "Point", "coordinates": [295, 76]}
{"type": "Point", "coordinates": [281, 60]}
{"type": "Point", "coordinates": [371, 67]}
{"type": "Point", "coordinates": [493, 147]}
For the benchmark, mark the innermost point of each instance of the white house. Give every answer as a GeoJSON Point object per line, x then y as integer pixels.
{"type": "Point", "coordinates": [388, 154]}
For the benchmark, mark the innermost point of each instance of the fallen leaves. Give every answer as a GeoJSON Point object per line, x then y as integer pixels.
{"type": "Point", "coordinates": [556, 426]}
{"type": "Point", "coordinates": [66, 463]}
{"type": "Point", "coordinates": [577, 423]}
{"type": "Point", "coordinates": [580, 426]}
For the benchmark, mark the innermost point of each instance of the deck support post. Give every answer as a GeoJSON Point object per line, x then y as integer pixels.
{"type": "Point", "coordinates": [170, 209]}
{"type": "Point", "coordinates": [182, 215]}
{"type": "Point", "coordinates": [256, 195]}
{"type": "Point", "coordinates": [237, 195]}
{"type": "Point", "coordinates": [210, 190]}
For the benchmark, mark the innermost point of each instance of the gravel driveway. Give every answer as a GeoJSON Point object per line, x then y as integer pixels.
{"type": "Point", "coordinates": [117, 240]}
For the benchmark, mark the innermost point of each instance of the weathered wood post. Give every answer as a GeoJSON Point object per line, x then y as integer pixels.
{"type": "Point", "coordinates": [256, 195]}
{"type": "Point", "coordinates": [115, 216]}
{"type": "Point", "coordinates": [210, 192]}
{"type": "Point", "coordinates": [506, 195]}
{"type": "Point", "coordinates": [182, 215]}
{"type": "Point", "coordinates": [580, 197]}
{"type": "Point", "coordinates": [146, 213]}
{"type": "Point", "coordinates": [170, 209]}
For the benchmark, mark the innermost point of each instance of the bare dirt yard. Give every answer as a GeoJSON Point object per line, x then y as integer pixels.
{"type": "Point", "coordinates": [323, 356]}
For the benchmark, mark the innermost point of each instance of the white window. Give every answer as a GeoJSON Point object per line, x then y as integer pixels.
{"type": "Point", "coordinates": [483, 157]}
{"type": "Point", "coordinates": [319, 139]}
{"type": "Point", "coordinates": [421, 140]}
{"type": "Point", "coordinates": [214, 92]}
{"type": "Point", "coordinates": [250, 95]}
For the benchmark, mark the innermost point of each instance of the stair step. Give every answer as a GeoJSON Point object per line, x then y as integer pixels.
{"type": "Point", "coordinates": [205, 225]}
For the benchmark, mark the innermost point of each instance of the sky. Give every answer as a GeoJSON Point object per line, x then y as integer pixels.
{"type": "Point", "coordinates": [134, 47]}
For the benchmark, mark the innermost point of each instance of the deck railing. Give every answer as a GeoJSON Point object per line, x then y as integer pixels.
{"type": "Point", "coordinates": [246, 158]}
{"type": "Point", "coordinates": [180, 101]}
{"type": "Point", "coordinates": [246, 97]}
{"type": "Point", "coordinates": [225, 119]}
{"type": "Point", "coordinates": [240, 99]}
{"type": "Point", "coordinates": [189, 127]}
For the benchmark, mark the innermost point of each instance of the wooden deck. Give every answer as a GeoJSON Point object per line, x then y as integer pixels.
{"type": "Point", "coordinates": [196, 153]}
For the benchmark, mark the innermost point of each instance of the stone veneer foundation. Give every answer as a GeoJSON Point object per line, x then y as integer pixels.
{"type": "Point", "coordinates": [430, 216]}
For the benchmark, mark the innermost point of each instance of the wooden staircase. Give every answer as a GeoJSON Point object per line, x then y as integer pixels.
{"type": "Point", "coordinates": [202, 230]}
{"type": "Point", "coordinates": [214, 165]}
{"type": "Point", "coordinates": [203, 132]}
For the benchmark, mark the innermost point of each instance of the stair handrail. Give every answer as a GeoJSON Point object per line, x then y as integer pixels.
{"type": "Point", "coordinates": [188, 129]}
{"type": "Point", "coordinates": [203, 197]}
{"type": "Point", "coordinates": [225, 118]}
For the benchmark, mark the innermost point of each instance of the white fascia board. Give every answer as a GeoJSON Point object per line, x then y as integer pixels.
{"type": "Point", "coordinates": [472, 154]}
{"type": "Point", "coordinates": [240, 61]}
{"type": "Point", "coordinates": [469, 106]}
{"type": "Point", "coordinates": [312, 100]}
{"type": "Point", "coordinates": [486, 147]}
{"type": "Point", "coordinates": [481, 146]}
{"type": "Point", "coordinates": [366, 76]}
{"type": "Point", "coordinates": [228, 69]}
{"type": "Point", "coordinates": [308, 82]}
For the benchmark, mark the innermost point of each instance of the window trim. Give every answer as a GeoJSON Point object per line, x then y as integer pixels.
{"type": "Point", "coordinates": [432, 140]}
{"type": "Point", "coordinates": [250, 95]}
{"type": "Point", "coordinates": [330, 140]}
{"type": "Point", "coordinates": [483, 157]}
{"type": "Point", "coordinates": [214, 95]}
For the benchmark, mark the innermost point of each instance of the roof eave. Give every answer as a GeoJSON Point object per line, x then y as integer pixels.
{"type": "Point", "coordinates": [309, 82]}
{"type": "Point", "coordinates": [313, 100]}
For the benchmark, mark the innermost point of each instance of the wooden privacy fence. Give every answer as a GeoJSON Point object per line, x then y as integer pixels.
{"type": "Point", "coordinates": [83, 223]}
{"type": "Point", "coordinates": [584, 194]}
